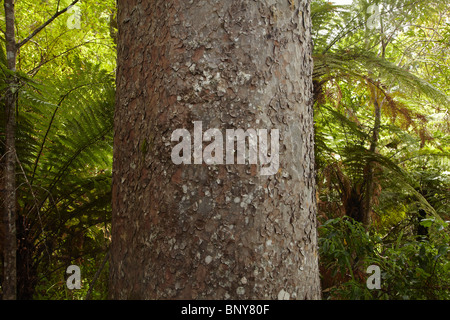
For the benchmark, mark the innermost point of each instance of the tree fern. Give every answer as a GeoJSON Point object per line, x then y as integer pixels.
{"type": "Point", "coordinates": [359, 64]}
{"type": "Point", "coordinates": [64, 145]}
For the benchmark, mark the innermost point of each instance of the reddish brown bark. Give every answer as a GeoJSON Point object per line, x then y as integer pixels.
{"type": "Point", "coordinates": [213, 231]}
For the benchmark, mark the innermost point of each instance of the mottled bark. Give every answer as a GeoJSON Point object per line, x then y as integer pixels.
{"type": "Point", "coordinates": [9, 215]}
{"type": "Point", "coordinates": [213, 231]}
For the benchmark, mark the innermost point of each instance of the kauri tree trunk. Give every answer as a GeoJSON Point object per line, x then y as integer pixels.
{"type": "Point", "coordinates": [213, 231]}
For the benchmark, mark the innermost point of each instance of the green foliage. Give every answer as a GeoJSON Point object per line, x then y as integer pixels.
{"type": "Point", "coordinates": [382, 133]}
{"type": "Point", "coordinates": [382, 128]}
{"type": "Point", "coordinates": [64, 141]}
{"type": "Point", "coordinates": [343, 242]}
{"type": "Point", "coordinates": [54, 287]}
{"type": "Point", "coordinates": [410, 269]}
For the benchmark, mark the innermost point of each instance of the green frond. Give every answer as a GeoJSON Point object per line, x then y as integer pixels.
{"type": "Point", "coordinates": [362, 65]}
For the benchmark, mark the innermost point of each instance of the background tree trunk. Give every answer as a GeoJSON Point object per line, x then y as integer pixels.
{"type": "Point", "coordinates": [369, 173]}
{"type": "Point", "coordinates": [9, 214]}
{"type": "Point", "coordinates": [218, 231]}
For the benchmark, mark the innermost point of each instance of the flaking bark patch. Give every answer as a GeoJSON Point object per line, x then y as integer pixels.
{"type": "Point", "coordinates": [213, 231]}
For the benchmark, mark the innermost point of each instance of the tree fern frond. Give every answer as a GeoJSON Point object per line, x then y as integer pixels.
{"type": "Point", "coordinates": [360, 64]}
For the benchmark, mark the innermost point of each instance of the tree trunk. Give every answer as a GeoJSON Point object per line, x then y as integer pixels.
{"type": "Point", "coordinates": [369, 174]}
{"type": "Point", "coordinates": [213, 231]}
{"type": "Point", "coordinates": [9, 215]}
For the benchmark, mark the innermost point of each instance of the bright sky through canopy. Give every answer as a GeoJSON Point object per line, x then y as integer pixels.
{"type": "Point", "coordinates": [341, 2]}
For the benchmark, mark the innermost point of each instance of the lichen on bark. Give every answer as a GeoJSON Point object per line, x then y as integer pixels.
{"type": "Point", "coordinates": [213, 231]}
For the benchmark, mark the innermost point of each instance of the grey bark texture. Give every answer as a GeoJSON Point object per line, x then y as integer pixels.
{"type": "Point", "coordinates": [9, 214]}
{"type": "Point", "coordinates": [213, 231]}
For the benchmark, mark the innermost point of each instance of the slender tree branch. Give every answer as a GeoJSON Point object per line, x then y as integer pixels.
{"type": "Point", "coordinates": [33, 71]}
{"type": "Point", "coordinates": [97, 274]}
{"type": "Point", "coordinates": [36, 205]}
{"type": "Point", "coordinates": [56, 15]}
{"type": "Point", "coordinates": [49, 127]}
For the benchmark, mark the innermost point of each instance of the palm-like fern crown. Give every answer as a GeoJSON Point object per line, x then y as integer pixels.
{"type": "Point", "coordinates": [359, 70]}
